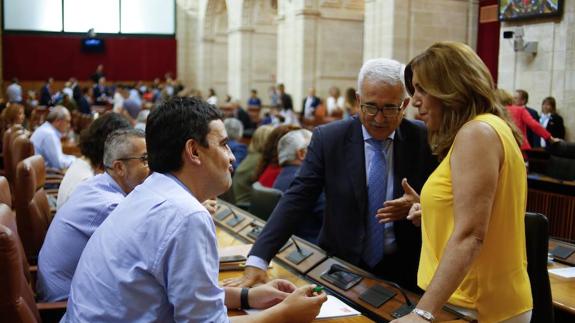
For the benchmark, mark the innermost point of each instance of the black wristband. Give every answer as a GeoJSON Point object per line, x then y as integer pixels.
{"type": "Point", "coordinates": [245, 305]}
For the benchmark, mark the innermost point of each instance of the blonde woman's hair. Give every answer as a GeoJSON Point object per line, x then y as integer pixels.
{"type": "Point", "coordinates": [503, 97]}
{"type": "Point", "coordinates": [454, 74]}
{"type": "Point", "coordinates": [259, 138]}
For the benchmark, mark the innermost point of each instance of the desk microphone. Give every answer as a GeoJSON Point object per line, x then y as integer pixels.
{"type": "Point", "coordinates": [299, 250]}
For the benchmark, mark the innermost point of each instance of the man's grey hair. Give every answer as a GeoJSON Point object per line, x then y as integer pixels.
{"type": "Point", "coordinates": [234, 128]}
{"type": "Point", "coordinates": [57, 113]}
{"type": "Point", "coordinates": [119, 145]}
{"type": "Point", "coordinates": [381, 70]}
{"type": "Point", "coordinates": [290, 143]}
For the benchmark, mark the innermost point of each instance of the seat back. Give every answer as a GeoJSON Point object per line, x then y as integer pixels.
{"type": "Point", "coordinates": [264, 200]}
{"type": "Point", "coordinates": [5, 196]}
{"type": "Point", "coordinates": [8, 219]}
{"type": "Point", "coordinates": [21, 149]}
{"type": "Point", "coordinates": [16, 300]}
{"type": "Point", "coordinates": [31, 204]}
{"type": "Point", "coordinates": [561, 164]}
{"type": "Point", "coordinates": [537, 245]}
{"type": "Point", "coordinates": [7, 139]}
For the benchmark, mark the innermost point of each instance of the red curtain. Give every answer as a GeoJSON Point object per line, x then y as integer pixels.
{"type": "Point", "coordinates": [37, 57]}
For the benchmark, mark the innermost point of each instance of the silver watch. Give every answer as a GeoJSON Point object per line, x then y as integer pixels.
{"type": "Point", "coordinates": [424, 314]}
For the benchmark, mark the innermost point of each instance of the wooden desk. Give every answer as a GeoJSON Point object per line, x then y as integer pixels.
{"type": "Point", "coordinates": [277, 271]}
{"type": "Point", "coordinates": [562, 289]}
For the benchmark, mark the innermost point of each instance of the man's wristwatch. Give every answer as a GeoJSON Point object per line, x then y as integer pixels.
{"type": "Point", "coordinates": [424, 314]}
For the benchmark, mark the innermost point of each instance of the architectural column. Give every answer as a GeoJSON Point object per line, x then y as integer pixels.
{"type": "Point", "coordinates": [239, 61]}
{"type": "Point", "coordinates": [188, 37]}
{"type": "Point", "coordinates": [400, 29]}
{"type": "Point", "coordinates": [319, 45]}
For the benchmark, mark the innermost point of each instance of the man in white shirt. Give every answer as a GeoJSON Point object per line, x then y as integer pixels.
{"type": "Point", "coordinates": [46, 139]}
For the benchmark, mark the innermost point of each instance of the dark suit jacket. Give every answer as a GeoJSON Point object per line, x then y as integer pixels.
{"type": "Point", "coordinates": [335, 163]}
{"type": "Point", "coordinates": [555, 126]}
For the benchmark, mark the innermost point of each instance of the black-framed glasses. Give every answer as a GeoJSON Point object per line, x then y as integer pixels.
{"type": "Point", "coordinates": [388, 110]}
{"type": "Point", "coordinates": [143, 159]}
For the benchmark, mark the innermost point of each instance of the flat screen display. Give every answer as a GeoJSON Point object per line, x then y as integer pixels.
{"type": "Point", "coordinates": [527, 9]}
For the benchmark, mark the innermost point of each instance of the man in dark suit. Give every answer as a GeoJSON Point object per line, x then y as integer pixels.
{"type": "Point", "coordinates": [343, 161]}
{"type": "Point", "coordinates": [310, 104]}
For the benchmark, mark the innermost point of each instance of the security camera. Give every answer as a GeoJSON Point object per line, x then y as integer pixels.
{"type": "Point", "coordinates": [508, 34]}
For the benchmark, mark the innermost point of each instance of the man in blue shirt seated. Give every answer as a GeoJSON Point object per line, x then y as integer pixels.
{"type": "Point", "coordinates": [292, 148]}
{"type": "Point", "coordinates": [155, 258]}
{"type": "Point", "coordinates": [46, 139]}
{"type": "Point", "coordinates": [126, 165]}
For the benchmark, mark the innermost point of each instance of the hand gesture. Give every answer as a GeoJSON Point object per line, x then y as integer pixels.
{"type": "Point", "coordinates": [252, 276]}
{"type": "Point", "coordinates": [415, 214]}
{"type": "Point", "coordinates": [399, 208]}
{"type": "Point", "coordinates": [270, 294]}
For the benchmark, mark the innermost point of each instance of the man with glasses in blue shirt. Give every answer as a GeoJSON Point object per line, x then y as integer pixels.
{"type": "Point", "coordinates": [126, 164]}
{"type": "Point", "coordinates": [360, 164]}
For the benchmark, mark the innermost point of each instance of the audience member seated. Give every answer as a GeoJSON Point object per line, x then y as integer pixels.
{"type": "Point", "coordinates": [14, 91]}
{"type": "Point", "coordinates": [292, 148]}
{"type": "Point", "coordinates": [244, 175]}
{"type": "Point", "coordinates": [89, 205]}
{"type": "Point", "coordinates": [212, 97]}
{"type": "Point", "coordinates": [92, 149]}
{"type": "Point", "coordinates": [142, 119]}
{"type": "Point", "coordinates": [254, 101]}
{"type": "Point", "coordinates": [235, 131]}
{"type": "Point", "coordinates": [46, 93]}
{"type": "Point", "coordinates": [13, 114]}
{"type": "Point", "coordinates": [46, 139]}
{"type": "Point", "coordinates": [268, 168]}
{"type": "Point", "coordinates": [310, 104]}
{"type": "Point", "coordinates": [551, 120]}
{"type": "Point", "coordinates": [101, 92]}
{"type": "Point", "coordinates": [350, 107]}
{"type": "Point", "coordinates": [155, 258]}
{"type": "Point", "coordinates": [335, 102]}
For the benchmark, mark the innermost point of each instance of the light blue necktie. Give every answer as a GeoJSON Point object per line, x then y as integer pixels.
{"type": "Point", "coordinates": [377, 191]}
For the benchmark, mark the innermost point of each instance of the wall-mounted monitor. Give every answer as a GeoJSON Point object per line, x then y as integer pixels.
{"type": "Point", "coordinates": [93, 45]}
{"type": "Point", "coordinates": [510, 10]}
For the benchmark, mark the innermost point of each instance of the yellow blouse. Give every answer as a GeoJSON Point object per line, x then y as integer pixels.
{"type": "Point", "coordinates": [497, 285]}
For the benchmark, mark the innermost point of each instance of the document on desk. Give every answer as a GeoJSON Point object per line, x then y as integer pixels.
{"type": "Point", "coordinates": [332, 308]}
{"type": "Point", "coordinates": [568, 272]}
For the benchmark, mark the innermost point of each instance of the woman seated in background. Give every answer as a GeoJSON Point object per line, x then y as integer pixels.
{"type": "Point", "coordinates": [335, 102]}
{"type": "Point", "coordinates": [268, 168]}
{"type": "Point", "coordinates": [92, 148]}
{"type": "Point", "coordinates": [350, 105]}
{"type": "Point", "coordinates": [551, 120]}
{"type": "Point", "coordinates": [12, 115]}
{"type": "Point", "coordinates": [244, 175]}
{"type": "Point", "coordinates": [472, 207]}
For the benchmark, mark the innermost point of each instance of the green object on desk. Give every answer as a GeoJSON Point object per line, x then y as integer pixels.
{"type": "Point", "coordinates": [318, 289]}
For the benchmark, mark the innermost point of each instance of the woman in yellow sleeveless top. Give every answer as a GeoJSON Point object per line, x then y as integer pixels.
{"type": "Point", "coordinates": [473, 206]}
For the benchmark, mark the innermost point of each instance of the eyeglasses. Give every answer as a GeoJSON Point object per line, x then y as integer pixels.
{"type": "Point", "coordinates": [388, 111]}
{"type": "Point", "coordinates": [143, 159]}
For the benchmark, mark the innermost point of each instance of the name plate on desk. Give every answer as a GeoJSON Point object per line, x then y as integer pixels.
{"type": "Point", "coordinates": [222, 213]}
{"type": "Point", "coordinates": [252, 231]}
{"type": "Point", "coordinates": [300, 255]}
{"type": "Point", "coordinates": [377, 299]}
